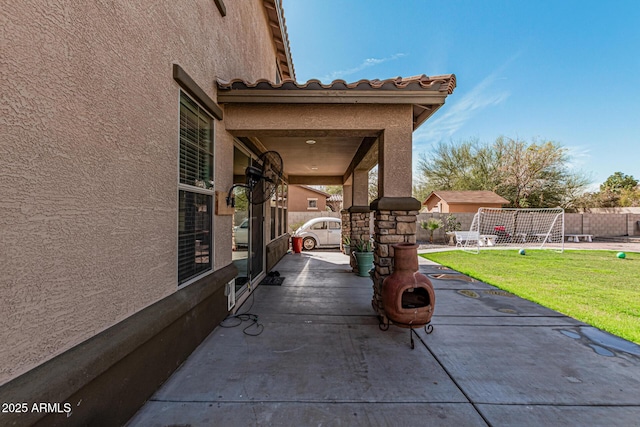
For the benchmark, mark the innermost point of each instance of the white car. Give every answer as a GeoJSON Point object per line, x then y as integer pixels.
{"type": "Point", "coordinates": [323, 232]}
{"type": "Point", "coordinates": [241, 233]}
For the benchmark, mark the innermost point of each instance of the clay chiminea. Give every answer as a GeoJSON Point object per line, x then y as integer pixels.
{"type": "Point", "coordinates": [408, 298]}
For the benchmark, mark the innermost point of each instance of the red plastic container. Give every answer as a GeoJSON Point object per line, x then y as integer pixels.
{"type": "Point", "coordinates": [297, 244]}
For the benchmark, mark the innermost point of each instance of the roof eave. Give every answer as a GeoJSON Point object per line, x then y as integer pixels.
{"type": "Point", "coordinates": [252, 96]}
{"type": "Point", "coordinates": [275, 13]}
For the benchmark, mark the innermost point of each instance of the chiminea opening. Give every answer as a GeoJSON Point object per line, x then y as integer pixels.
{"type": "Point", "coordinates": [415, 298]}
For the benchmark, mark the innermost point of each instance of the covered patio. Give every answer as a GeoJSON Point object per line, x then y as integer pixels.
{"type": "Point", "coordinates": [319, 358]}
{"type": "Point", "coordinates": [334, 134]}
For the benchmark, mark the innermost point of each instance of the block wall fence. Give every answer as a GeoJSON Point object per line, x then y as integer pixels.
{"type": "Point", "coordinates": [597, 224]}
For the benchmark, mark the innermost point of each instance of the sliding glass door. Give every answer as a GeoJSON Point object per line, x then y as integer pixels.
{"type": "Point", "coordinates": [248, 227]}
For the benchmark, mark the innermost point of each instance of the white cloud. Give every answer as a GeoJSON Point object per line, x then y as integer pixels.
{"type": "Point", "coordinates": [482, 96]}
{"type": "Point", "coordinates": [369, 62]}
{"type": "Point", "coordinates": [579, 156]}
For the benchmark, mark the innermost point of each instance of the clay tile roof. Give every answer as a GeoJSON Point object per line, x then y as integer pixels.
{"type": "Point", "coordinates": [474, 197]}
{"type": "Point", "coordinates": [335, 198]}
{"type": "Point", "coordinates": [444, 83]}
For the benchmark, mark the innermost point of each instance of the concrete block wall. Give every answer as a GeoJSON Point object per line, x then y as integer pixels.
{"type": "Point", "coordinates": [439, 236]}
{"type": "Point", "coordinates": [573, 224]}
{"type": "Point", "coordinates": [597, 224]}
{"type": "Point", "coordinates": [605, 224]}
{"type": "Point", "coordinates": [602, 224]}
{"type": "Point", "coordinates": [633, 224]}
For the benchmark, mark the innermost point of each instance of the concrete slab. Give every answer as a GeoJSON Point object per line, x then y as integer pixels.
{"type": "Point", "coordinates": [550, 415]}
{"type": "Point", "coordinates": [534, 365]}
{"type": "Point", "coordinates": [205, 414]}
{"type": "Point", "coordinates": [310, 362]}
{"type": "Point", "coordinates": [341, 303]}
{"type": "Point", "coordinates": [487, 302]}
{"type": "Point", "coordinates": [492, 359]}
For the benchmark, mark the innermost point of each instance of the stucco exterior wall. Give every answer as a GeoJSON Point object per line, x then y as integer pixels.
{"type": "Point", "coordinates": [89, 154]}
{"type": "Point", "coordinates": [457, 207]}
{"type": "Point", "coordinates": [297, 200]}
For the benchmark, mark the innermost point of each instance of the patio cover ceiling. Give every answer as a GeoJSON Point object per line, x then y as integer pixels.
{"type": "Point", "coordinates": [336, 153]}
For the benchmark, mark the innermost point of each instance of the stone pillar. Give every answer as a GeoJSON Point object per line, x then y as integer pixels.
{"type": "Point", "coordinates": [359, 217]}
{"type": "Point", "coordinates": [395, 210]}
{"type": "Point", "coordinates": [395, 222]}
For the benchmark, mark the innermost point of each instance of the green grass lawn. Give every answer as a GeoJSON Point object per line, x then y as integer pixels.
{"type": "Point", "coordinates": [592, 286]}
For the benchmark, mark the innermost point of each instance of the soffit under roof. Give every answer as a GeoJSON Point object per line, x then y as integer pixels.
{"type": "Point", "coordinates": [329, 156]}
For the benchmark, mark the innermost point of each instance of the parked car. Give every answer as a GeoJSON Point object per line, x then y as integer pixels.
{"type": "Point", "coordinates": [242, 233]}
{"type": "Point", "coordinates": [323, 232]}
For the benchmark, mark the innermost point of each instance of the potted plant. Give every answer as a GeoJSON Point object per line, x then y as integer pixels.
{"type": "Point", "coordinates": [363, 252]}
{"type": "Point", "coordinates": [451, 225]}
{"type": "Point", "coordinates": [346, 245]}
{"type": "Point", "coordinates": [431, 224]}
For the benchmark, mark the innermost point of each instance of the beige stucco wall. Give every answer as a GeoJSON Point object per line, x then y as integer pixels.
{"type": "Point", "coordinates": [457, 207]}
{"type": "Point", "coordinates": [88, 157]}
{"type": "Point", "coordinates": [391, 122]}
{"type": "Point", "coordinates": [465, 207]}
{"type": "Point", "coordinates": [297, 200]}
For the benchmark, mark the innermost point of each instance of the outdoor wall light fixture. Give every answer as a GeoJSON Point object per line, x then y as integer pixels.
{"type": "Point", "coordinates": [310, 141]}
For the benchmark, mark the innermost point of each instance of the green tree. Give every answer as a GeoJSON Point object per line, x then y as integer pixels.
{"type": "Point", "coordinates": [630, 197]}
{"type": "Point", "coordinates": [527, 174]}
{"type": "Point", "coordinates": [468, 165]}
{"type": "Point", "coordinates": [333, 189]}
{"type": "Point", "coordinates": [373, 184]}
{"type": "Point", "coordinates": [619, 182]}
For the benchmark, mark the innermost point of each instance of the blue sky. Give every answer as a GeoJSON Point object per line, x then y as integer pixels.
{"type": "Point", "coordinates": [562, 70]}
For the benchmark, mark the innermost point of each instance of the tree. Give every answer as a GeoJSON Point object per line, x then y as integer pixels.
{"type": "Point", "coordinates": [618, 190]}
{"type": "Point", "coordinates": [465, 166]}
{"type": "Point", "coordinates": [432, 225]}
{"type": "Point", "coordinates": [527, 174]}
{"type": "Point", "coordinates": [630, 197]}
{"type": "Point", "coordinates": [619, 182]}
{"type": "Point", "coordinates": [373, 184]}
{"type": "Point", "coordinates": [333, 189]}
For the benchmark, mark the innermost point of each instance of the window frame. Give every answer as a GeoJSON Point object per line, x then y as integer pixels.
{"type": "Point", "coordinates": [209, 191]}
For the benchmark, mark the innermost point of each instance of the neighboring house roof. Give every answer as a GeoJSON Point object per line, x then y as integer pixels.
{"type": "Point", "coordinates": [335, 198]}
{"type": "Point", "coordinates": [278, 27]}
{"type": "Point", "coordinates": [323, 193]}
{"type": "Point", "coordinates": [467, 197]}
{"type": "Point", "coordinates": [426, 94]}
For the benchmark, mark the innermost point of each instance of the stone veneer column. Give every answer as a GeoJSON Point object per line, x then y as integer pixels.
{"type": "Point", "coordinates": [359, 218]}
{"type": "Point", "coordinates": [395, 222]}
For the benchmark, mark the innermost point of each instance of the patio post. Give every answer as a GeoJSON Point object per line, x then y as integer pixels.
{"type": "Point", "coordinates": [396, 211]}
{"type": "Point", "coordinates": [359, 211]}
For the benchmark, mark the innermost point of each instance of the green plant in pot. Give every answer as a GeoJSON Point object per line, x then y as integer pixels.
{"type": "Point", "coordinates": [346, 245]}
{"type": "Point", "coordinates": [451, 225]}
{"type": "Point", "coordinates": [363, 252]}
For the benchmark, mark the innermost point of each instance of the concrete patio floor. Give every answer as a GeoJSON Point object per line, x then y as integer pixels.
{"type": "Point", "coordinates": [492, 359]}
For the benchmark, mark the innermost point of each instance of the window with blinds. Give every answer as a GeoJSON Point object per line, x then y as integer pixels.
{"type": "Point", "coordinates": [195, 195]}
